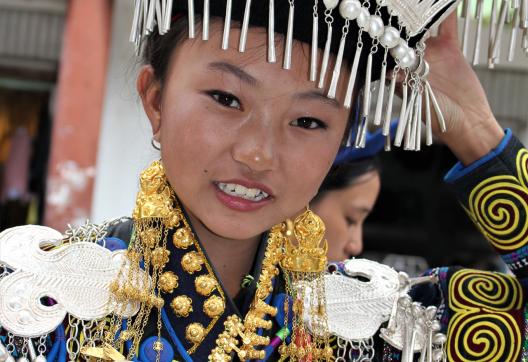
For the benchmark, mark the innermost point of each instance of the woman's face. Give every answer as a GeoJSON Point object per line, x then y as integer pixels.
{"type": "Point", "coordinates": [344, 211]}
{"type": "Point", "coordinates": [245, 143]}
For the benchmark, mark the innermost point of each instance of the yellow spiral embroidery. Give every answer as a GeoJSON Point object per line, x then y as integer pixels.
{"type": "Point", "coordinates": [482, 328]}
{"type": "Point", "coordinates": [498, 205]}
{"type": "Point", "coordinates": [521, 163]}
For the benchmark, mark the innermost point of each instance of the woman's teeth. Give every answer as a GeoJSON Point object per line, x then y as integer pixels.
{"type": "Point", "coordinates": [242, 192]}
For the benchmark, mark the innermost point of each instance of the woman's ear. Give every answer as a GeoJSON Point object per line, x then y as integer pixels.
{"type": "Point", "coordinates": [149, 89]}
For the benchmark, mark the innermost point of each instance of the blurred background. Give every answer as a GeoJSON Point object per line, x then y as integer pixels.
{"type": "Point", "coordinates": [73, 137]}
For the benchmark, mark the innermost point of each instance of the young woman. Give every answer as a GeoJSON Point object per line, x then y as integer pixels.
{"type": "Point", "coordinates": [245, 145]}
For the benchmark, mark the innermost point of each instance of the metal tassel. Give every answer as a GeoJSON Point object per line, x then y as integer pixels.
{"type": "Point", "coordinates": [515, 28]}
{"type": "Point", "coordinates": [480, 19]}
{"type": "Point", "coordinates": [409, 120]}
{"type": "Point", "coordinates": [418, 133]}
{"type": "Point", "coordinates": [245, 25]}
{"type": "Point", "coordinates": [524, 14]}
{"type": "Point", "coordinates": [467, 22]}
{"type": "Point", "coordinates": [314, 48]}
{"type": "Point", "coordinates": [150, 17]}
{"type": "Point", "coordinates": [205, 22]}
{"type": "Point", "coordinates": [190, 14]}
{"type": "Point", "coordinates": [438, 111]}
{"type": "Point", "coordinates": [227, 24]}
{"type": "Point", "coordinates": [366, 89]}
{"type": "Point", "coordinates": [337, 68]}
{"type": "Point", "coordinates": [134, 32]}
{"type": "Point", "coordinates": [402, 122]}
{"type": "Point", "coordinates": [326, 56]}
{"type": "Point", "coordinates": [168, 14]}
{"type": "Point", "coordinates": [352, 80]}
{"type": "Point", "coordinates": [272, 57]}
{"type": "Point", "coordinates": [381, 91]}
{"type": "Point", "coordinates": [492, 31]}
{"type": "Point", "coordinates": [498, 34]}
{"type": "Point", "coordinates": [289, 38]}
{"type": "Point", "coordinates": [428, 122]}
{"type": "Point", "coordinates": [390, 100]}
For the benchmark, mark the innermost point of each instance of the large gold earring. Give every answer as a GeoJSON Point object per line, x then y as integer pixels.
{"type": "Point", "coordinates": [303, 266]}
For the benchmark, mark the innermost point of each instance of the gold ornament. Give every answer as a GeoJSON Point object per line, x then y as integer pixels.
{"type": "Point", "coordinates": [150, 237]}
{"type": "Point", "coordinates": [160, 257]}
{"type": "Point", "coordinates": [168, 281]}
{"type": "Point", "coordinates": [195, 333]}
{"type": "Point", "coordinates": [205, 285]}
{"type": "Point", "coordinates": [214, 306]}
{"type": "Point", "coordinates": [183, 238]}
{"type": "Point", "coordinates": [157, 346]}
{"type": "Point", "coordinates": [154, 199]}
{"type": "Point", "coordinates": [309, 255]}
{"type": "Point", "coordinates": [182, 306]}
{"type": "Point", "coordinates": [192, 262]}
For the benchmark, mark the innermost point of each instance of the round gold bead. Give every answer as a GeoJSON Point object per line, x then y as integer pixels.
{"type": "Point", "coordinates": [160, 257]}
{"type": "Point", "coordinates": [182, 306]}
{"type": "Point", "coordinates": [195, 332]}
{"type": "Point", "coordinates": [173, 220]}
{"type": "Point", "coordinates": [150, 237]}
{"type": "Point", "coordinates": [182, 238]}
{"type": "Point", "coordinates": [192, 262]}
{"type": "Point", "coordinates": [205, 284]}
{"type": "Point", "coordinates": [214, 306]}
{"type": "Point", "coordinates": [168, 281]}
{"type": "Point", "coordinates": [157, 346]}
{"type": "Point", "coordinates": [126, 335]}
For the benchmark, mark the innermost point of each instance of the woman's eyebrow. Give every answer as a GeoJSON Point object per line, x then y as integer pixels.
{"type": "Point", "coordinates": [234, 70]}
{"type": "Point", "coordinates": [318, 96]}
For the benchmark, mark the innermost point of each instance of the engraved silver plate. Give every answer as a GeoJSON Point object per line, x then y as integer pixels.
{"type": "Point", "coordinates": [415, 15]}
{"type": "Point", "coordinates": [76, 276]}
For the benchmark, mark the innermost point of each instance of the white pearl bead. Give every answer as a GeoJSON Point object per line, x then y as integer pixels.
{"type": "Point", "coordinates": [400, 50]}
{"type": "Point", "coordinates": [330, 4]}
{"type": "Point", "coordinates": [390, 37]}
{"type": "Point", "coordinates": [376, 26]}
{"type": "Point", "coordinates": [350, 9]}
{"type": "Point", "coordinates": [363, 19]}
{"type": "Point", "coordinates": [40, 358]}
{"type": "Point", "coordinates": [409, 60]}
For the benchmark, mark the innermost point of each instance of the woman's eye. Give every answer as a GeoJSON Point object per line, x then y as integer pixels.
{"type": "Point", "coordinates": [350, 221]}
{"type": "Point", "coordinates": [308, 123]}
{"type": "Point", "coordinates": [225, 99]}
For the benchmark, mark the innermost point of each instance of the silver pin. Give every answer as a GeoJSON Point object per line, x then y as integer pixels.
{"type": "Point", "coordinates": [227, 25]}
{"type": "Point", "coordinates": [315, 36]}
{"type": "Point", "coordinates": [390, 100]}
{"type": "Point", "coordinates": [409, 117]}
{"type": "Point", "coordinates": [418, 137]}
{"type": "Point", "coordinates": [480, 19]}
{"type": "Point", "coordinates": [438, 111]}
{"type": "Point", "coordinates": [337, 66]}
{"type": "Point", "coordinates": [524, 14]}
{"type": "Point", "coordinates": [401, 122]}
{"type": "Point", "coordinates": [190, 14]}
{"type": "Point", "coordinates": [387, 143]}
{"type": "Point", "coordinates": [366, 89]}
{"type": "Point", "coordinates": [381, 91]}
{"type": "Point", "coordinates": [428, 122]}
{"type": "Point", "coordinates": [353, 74]}
{"type": "Point", "coordinates": [134, 32]}
{"type": "Point", "coordinates": [151, 17]}
{"type": "Point", "coordinates": [146, 7]}
{"type": "Point", "coordinates": [513, 36]}
{"type": "Point", "coordinates": [272, 57]}
{"type": "Point", "coordinates": [286, 64]}
{"type": "Point", "coordinates": [159, 18]}
{"type": "Point", "coordinates": [205, 22]}
{"type": "Point", "coordinates": [168, 15]}
{"type": "Point", "coordinates": [492, 31]}
{"type": "Point", "coordinates": [245, 25]}
{"type": "Point", "coordinates": [467, 22]}
{"type": "Point", "coordinates": [326, 56]}
{"type": "Point", "coordinates": [498, 34]}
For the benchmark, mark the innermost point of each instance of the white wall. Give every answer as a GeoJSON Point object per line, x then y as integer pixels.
{"type": "Point", "coordinates": [124, 145]}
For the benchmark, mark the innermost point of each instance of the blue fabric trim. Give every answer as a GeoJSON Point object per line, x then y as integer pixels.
{"type": "Point", "coordinates": [459, 170]}
{"type": "Point", "coordinates": [63, 354]}
{"type": "Point", "coordinates": [181, 350]}
{"type": "Point", "coordinates": [52, 355]}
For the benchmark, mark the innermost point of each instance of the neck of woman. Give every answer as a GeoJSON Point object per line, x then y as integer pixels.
{"type": "Point", "coordinates": [232, 259]}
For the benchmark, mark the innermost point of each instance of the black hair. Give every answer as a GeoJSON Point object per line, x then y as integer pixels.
{"type": "Point", "coordinates": [347, 174]}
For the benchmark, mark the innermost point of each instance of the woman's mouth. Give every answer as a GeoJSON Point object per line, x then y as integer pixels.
{"type": "Point", "coordinates": [246, 193]}
{"type": "Point", "coordinates": [247, 197]}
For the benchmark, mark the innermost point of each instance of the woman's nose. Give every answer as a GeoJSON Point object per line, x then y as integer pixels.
{"type": "Point", "coordinates": [354, 245]}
